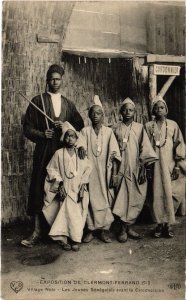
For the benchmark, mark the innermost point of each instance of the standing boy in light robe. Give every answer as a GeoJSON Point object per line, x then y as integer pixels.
{"type": "Point", "coordinates": [130, 182]}
{"type": "Point", "coordinates": [66, 197]}
{"type": "Point", "coordinates": [167, 184]}
{"type": "Point", "coordinates": [102, 151]}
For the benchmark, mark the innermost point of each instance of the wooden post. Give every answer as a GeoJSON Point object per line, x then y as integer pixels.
{"type": "Point", "coordinates": [166, 86]}
{"type": "Point", "coordinates": [152, 84]}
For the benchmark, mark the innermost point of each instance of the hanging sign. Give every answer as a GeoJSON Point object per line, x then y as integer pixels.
{"type": "Point", "coordinates": [166, 70]}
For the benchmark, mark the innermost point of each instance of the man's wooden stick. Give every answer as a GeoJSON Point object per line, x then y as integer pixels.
{"type": "Point", "coordinates": [43, 107]}
{"type": "Point", "coordinates": [41, 111]}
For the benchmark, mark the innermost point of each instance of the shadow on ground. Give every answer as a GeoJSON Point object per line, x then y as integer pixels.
{"type": "Point", "coordinates": [145, 268]}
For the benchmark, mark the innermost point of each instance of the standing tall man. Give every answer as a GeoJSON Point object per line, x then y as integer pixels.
{"type": "Point", "coordinates": [47, 139]}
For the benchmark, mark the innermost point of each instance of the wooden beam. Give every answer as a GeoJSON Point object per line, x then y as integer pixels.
{"type": "Point", "coordinates": [152, 84]}
{"type": "Point", "coordinates": [151, 58]}
{"type": "Point", "coordinates": [166, 86]}
{"type": "Point", "coordinates": [102, 53]}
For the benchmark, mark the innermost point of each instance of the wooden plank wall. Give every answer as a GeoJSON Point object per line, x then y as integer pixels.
{"type": "Point", "coordinates": [134, 26]}
{"type": "Point", "coordinates": [94, 25]}
{"type": "Point", "coordinates": [24, 65]}
{"type": "Point", "coordinates": [119, 25]}
{"type": "Point", "coordinates": [132, 16]}
{"type": "Point", "coordinates": [166, 29]}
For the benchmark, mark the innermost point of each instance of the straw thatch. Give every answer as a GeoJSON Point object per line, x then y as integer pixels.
{"type": "Point", "coordinates": [112, 81]}
{"type": "Point", "coordinates": [25, 62]}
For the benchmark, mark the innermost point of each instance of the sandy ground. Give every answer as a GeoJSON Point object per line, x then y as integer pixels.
{"type": "Point", "coordinates": [144, 269]}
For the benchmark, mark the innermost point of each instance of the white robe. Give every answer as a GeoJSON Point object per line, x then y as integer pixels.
{"type": "Point", "coordinates": [67, 218]}
{"type": "Point", "coordinates": [101, 196]}
{"type": "Point", "coordinates": [167, 194]}
{"type": "Point", "coordinates": [131, 195]}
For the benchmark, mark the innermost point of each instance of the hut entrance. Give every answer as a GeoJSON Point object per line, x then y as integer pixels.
{"type": "Point", "coordinates": [168, 80]}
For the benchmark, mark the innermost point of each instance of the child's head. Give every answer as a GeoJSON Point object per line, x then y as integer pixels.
{"type": "Point", "coordinates": [69, 135]}
{"type": "Point", "coordinates": [127, 111]}
{"type": "Point", "coordinates": [96, 114]}
{"type": "Point", "coordinates": [159, 109]}
{"type": "Point", "coordinates": [70, 138]}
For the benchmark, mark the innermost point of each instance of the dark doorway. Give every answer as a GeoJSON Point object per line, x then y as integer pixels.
{"type": "Point", "coordinates": [175, 98]}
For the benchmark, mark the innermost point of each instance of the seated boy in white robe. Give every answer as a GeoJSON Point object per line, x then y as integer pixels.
{"type": "Point", "coordinates": [66, 197]}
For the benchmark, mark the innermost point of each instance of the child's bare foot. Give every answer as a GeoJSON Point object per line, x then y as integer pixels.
{"type": "Point", "coordinates": [75, 246]}
{"type": "Point", "coordinates": [133, 234]}
{"type": "Point", "coordinates": [167, 231]}
{"type": "Point", "coordinates": [105, 236]}
{"type": "Point", "coordinates": [65, 246]}
{"type": "Point", "coordinates": [32, 240]}
{"type": "Point", "coordinates": [88, 238]}
{"type": "Point", "coordinates": [158, 233]}
{"type": "Point", "coordinates": [122, 238]}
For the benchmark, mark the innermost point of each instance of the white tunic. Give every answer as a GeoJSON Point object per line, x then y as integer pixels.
{"type": "Point", "coordinates": [56, 102]}
{"type": "Point", "coordinates": [67, 218]}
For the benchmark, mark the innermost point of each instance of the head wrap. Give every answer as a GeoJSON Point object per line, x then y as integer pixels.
{"type": "Point", "coordinates": [66, 126]}
{"type": "Point", "coordinates": [97, 102]}
{"type": "Point", "coordinates": [128, 101]}
{"type": "Point", "coordinates": [54, 69]}
{"type": "Point", "coordinates": [157, 99]}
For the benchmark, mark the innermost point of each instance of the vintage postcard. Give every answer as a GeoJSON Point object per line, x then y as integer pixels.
{"type": "Point", "coordinates": [93, 150]}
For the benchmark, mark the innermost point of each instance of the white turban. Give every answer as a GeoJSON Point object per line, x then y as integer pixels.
{"type": "Point", "coordinates": [128, 101]}
{"type": "Point", "coordinates": [157, 99]}
{"type": "Point", "coordinates": [97, 102]}
{"type": "Point", "coordinates": [66, 126]}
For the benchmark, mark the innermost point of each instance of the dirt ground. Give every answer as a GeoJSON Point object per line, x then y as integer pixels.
{"type": "Point", "coordinates": [143, 269]}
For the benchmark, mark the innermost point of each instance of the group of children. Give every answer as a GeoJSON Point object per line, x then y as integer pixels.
{"type": "Point", "coordinates": [111, 182]}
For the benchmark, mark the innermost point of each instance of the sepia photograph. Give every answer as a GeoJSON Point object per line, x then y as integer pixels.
{"type": "Point", "coordinates": [93, 160]}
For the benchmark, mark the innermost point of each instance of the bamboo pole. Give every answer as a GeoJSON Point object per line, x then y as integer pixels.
{"type": "Point", "coordinates": [44, 111]}
{"type": "Point", "coordinates": [41, 111]}
{"type": "Point", "coordinates": [43, 104]}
